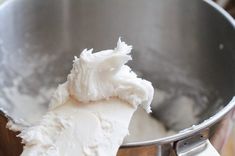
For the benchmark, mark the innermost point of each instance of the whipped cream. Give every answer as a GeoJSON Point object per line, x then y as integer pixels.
{"type": "Point", "coordinates": [90, 113]}
{"type": "Point", "coordinates": [104, 75]}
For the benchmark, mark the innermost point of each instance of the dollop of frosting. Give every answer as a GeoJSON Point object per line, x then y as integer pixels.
{"type": "Point", "coordinates": [103, 75]}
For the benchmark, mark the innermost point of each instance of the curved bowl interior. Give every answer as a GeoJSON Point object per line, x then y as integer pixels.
{"type": "Point", "coordinates": [185, 48]}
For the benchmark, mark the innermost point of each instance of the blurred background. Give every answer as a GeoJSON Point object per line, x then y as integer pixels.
{"type": "Point", "coordinates": [229, 5]}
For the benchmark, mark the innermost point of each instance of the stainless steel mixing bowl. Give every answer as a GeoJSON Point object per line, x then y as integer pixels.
{"type": "Point", "coordinates": [186, 48]}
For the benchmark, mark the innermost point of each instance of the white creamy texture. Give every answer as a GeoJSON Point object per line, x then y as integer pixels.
{"type": "Point", "coordinates": [103, 75]}
{"type": "Point", "coordinates": [144, 127]}
{"type": "Point", "coordinates": [97, 128]}
{"type": "Point", "coordinates": [90, 113]}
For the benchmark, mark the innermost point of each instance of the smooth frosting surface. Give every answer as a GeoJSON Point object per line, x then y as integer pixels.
{"type": "Point", "coordinates": [83, 129]}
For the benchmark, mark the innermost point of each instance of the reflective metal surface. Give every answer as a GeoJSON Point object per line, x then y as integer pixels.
{"type": "Point", "coordinates": [186, 48]}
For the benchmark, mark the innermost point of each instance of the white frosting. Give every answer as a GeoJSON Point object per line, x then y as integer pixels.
{"type": "Point", "coordinates": [103, 75]}
{"type": "Point", "coordinates": [89, 129]}
{"type": "Point", "coordinates": [90, 113]}
{"type": "Point", "coordinates": [143, 127]}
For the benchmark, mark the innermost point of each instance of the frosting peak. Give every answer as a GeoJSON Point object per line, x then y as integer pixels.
{"type": "Point", "coordinates": [103, 75]}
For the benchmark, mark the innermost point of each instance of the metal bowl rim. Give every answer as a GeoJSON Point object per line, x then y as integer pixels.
{"type": "Point", "coordinates": [207, 123]}
{"type": "Point", "coordinates": [188, 131]}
